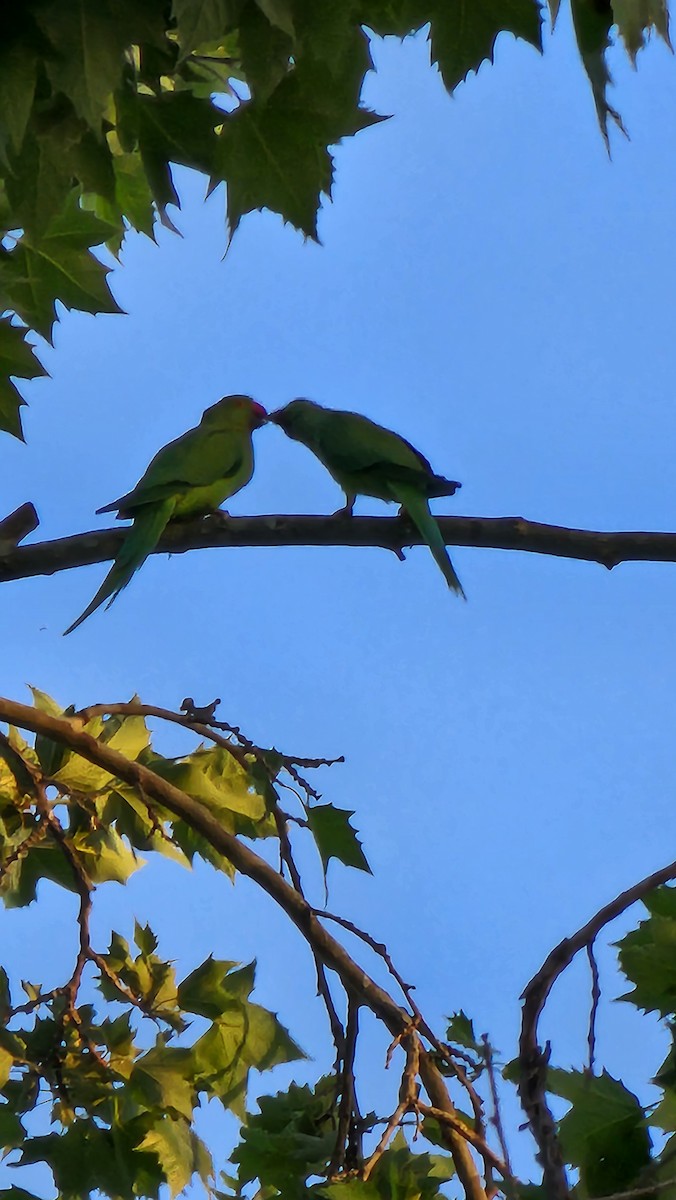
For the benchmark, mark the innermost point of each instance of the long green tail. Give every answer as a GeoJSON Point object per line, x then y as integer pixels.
{"type": "Point", "coordinates": [143, 536]}
{"type": "Point", "coordinates": [418, 510]}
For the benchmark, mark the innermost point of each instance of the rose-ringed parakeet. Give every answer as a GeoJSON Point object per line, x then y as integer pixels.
{"type": "Point", "coordinates": [189, 477]}
{"type": "Point", "coordinates": [367, 459]}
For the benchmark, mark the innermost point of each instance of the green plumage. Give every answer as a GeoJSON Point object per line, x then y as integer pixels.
{"type": "Point", "coordinates": [367, 459]}
{"type": "Point", "coordinates": [189, 477]}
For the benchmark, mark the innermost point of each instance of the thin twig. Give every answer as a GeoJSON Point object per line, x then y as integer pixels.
{"type": "Point", "coordinates": [134, 708]}
{"type": "Point", "coordinates": [347, 1093]}
{"type": "Point", "coordinates": [533, 1059]}
{"type": "Point", "coordinates": [444, 1051]}
{"type": "Point", "coordinates": [36, 835]}
{"type": "Point", "coordinates": [593, 1012]}
{"type": "Point", "coordinates": [408, 1096]}
{"type": "Point", "coordinates": [323, 989]}
{"type": "Point", "coordinates": [497, 1116]}
{"type": "Point", "coordinates": [378, 948]}
{"type": "Point", "coordinates": [456, 1123]}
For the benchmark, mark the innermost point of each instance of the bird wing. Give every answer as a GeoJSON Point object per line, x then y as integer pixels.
{"type": "Point", "coordinates": [351, 442]}
{"type": "Point", "coordinates": [196, 459]}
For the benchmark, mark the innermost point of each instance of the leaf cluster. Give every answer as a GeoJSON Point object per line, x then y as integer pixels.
{"type": "Point", "coordinates": [607, 1136]}
{"type": "Point", "coordinates": [101, 99]}
{"type": "Point", "coordinates": [123, 1052]}
{"type": "Point", "coordinates": [124, 1109]}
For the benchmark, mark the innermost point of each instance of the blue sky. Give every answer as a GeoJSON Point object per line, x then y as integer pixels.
{"type": "Point", "coordinates": [494, 288]}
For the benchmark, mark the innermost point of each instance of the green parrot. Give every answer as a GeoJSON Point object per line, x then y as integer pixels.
{"type": "Point", "coordinates": [189, 477]}
{"type": "Point", "coordinates": [367, 459]}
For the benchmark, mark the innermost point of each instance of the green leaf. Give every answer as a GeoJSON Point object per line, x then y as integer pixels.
{"type": "Point", "coordinates": [45, 703]}
{"type": "Point", "coordinates": [203, 21]}
{"type": "Point", "coordinates": [18, 70]}
{"type": "Point", "coordinates": [38, 271]}
{"type": "Point", "coordinates": [50, 753]}
{"type": "Point", "coordinates": [592, 23]}
{"type": "Point", "coordinates": [40, 178]}
{"type": "Point", "coordinates": [44, 861]}
{"type": "Point", "coordinates": [88, 37]}
{"type": "Point", "coordinates": [278, 13]}
{"type": "Point", "coordinates": [12, 1132]}
{"type": "Point", "coordinates": [265, 52]}
{"type": "Point", "coordinates": [462, 36]}
{"type": "Point", "coordinates": [393, 18]}
{"type": "Point", "coordinates": [434, 1132]}
{"type": "Point", "coordinates": [335, 837]}
{"type": "Point", "coordinates": [647, 956]}
{"type": "Point", "coordinates": [128, 735]}
{"type": "Point", "coordinates": [636, 18]}
{"type": "Point", "coordinates": [106, 857]}
{"type": "Point", "coordinates": [147, 976]}
{"type": "Point", "coordinates": [292, 1138]}
{"type": "Point", "coordinates": [15, 755]}
{"type": "Point", "coordinates": [604, 1134]}
{"type": "Point", "coordinates": [5, 995]}
{"type": "Point", "coordinates": [92, 162]}
{"type": "Point", "coordinates": [216, 779]}
{"type": "Point", "coordinates": [460, 1031]}
{"type": "Point", "coordinates": [175, 127]}
{"type": "Point", "coordinates": [17, 358]}
{"type": "Point", "coordinates": [6, 1064]}
{"type": "Point", "coordinates": [207, 991]}
{"type": "Point", "coordinates": [85, 1158]}
{"type": "Point", "coordinates": [245, 1036]}
{"type": "Point", "coordinates": [173, 1142]}
{"type": "Point", "coordinates": [274, 153]}
{"type": "Point", "coordinates": [132, 192]}
{"type": "Point", "coordinates": [398, 1175]}
{"type": "Point", "coordinates": [145, 939]}
{"type": "Point", "coordinates": [159, 1081]}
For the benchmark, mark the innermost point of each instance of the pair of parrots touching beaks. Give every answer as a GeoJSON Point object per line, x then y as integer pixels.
{"type": "Point", "coordinates": [197, 472]}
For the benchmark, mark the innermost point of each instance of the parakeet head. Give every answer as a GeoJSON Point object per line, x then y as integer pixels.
{"type": "Point", "coordinates": [295, 416]}
{"type": "Point", "coordinates": [235, 411]}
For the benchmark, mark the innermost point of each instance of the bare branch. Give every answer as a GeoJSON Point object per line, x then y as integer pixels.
{"type": "Point", "coordinates": [346, 1108]}
{"type": "Point", "coordinates": [408, 1094]}
{"type": "Point", "coordinates": [497, 1116]}
{"type": "Point", "coordinates": [533, 1059]}
{"type": "Point", "coordinates": [460, 1126]}
{"type": "Point", "coordinates": [389, 533]}
{"type": "Point", "coordinates": [593, 1012]}
{"type": "Point", "coordinates": [15, 527]}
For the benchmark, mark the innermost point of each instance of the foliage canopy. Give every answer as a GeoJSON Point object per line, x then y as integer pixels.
{"type": "Point", "coordinates": [99, 98]}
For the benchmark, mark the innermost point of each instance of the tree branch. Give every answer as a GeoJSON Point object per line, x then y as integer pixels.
{"type": "Point", "coordinates": [70, 733]}
{"type": "Point", "coordinates": [390, 533]}
{"type": "Point", "coordinates": [533, 1059]}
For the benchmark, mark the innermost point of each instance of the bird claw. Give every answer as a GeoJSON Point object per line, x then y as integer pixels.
{"type": "Point", "coordinates": [347, 510]}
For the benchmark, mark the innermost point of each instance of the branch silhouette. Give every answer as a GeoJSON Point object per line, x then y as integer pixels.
{"type": "Point", "coordinates": [219, 531]}
{"type": "Point", "coordinates": [69, 732]}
